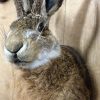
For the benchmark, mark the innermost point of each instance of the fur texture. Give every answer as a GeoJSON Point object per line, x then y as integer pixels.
{"type": "Point", "coordinates": [60, 79]}
{"type": "Point", "coordinates": [46, 70]}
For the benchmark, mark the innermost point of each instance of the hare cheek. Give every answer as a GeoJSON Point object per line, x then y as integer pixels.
{"type": "Point", "coordinates": [25, 53]}
{"type": "Point", "coordinates": [22, 52]}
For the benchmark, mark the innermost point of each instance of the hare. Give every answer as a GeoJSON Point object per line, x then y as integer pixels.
{"type": "Point", "coordinates": [44, 70]}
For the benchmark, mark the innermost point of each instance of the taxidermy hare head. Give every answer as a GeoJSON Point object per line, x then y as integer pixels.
{"type": "Point", "coordinates": [30, 42]}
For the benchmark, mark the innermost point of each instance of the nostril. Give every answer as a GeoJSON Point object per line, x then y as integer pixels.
{"type": "Point", "coordinates": [15, 56]}
{"type": "Point", "coordinates": [17, 48]}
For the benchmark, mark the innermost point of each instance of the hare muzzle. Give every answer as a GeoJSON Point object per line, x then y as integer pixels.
{"type": "Point", "coordinates": [12, 46]}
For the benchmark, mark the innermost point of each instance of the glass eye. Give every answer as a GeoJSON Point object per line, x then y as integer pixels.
{"type": "Point", "coordinates": [40, 26]}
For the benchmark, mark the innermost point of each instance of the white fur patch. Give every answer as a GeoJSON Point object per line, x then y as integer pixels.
{"type": "Point", "coordinates": [45, 57]}
{"type": "Point", "coordinates": [26, 5]}
{"type": "Point", "coordinates": [28, 33]}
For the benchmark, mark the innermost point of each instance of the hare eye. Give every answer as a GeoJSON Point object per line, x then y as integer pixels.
{"type": "Point", "coordinates": [41, 26]}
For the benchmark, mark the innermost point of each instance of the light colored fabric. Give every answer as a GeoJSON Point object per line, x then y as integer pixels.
{"type": "Point", "coordinates": [75, 24]}
{"type": "Point", "coordinates": [7, 15]}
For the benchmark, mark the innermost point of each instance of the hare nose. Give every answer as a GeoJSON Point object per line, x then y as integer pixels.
{"type": "Point", "coordinates": [14, 45]}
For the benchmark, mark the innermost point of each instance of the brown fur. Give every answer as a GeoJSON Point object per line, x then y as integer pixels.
{"type": "Point", "coordinates": [61, 79]}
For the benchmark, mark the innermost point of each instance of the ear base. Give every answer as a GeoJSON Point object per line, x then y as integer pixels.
{"type": "Point", "coordinates": [19, 8]}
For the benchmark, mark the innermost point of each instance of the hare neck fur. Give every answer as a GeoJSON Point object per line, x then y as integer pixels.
{"type": "Point", "coordinates": [49, 77]}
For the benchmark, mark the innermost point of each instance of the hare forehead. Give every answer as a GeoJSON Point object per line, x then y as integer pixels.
{"type": "Point", "coordinates": [29, 33]}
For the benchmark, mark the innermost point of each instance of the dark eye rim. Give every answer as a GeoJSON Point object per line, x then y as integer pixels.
{"type": "Point", "coordinates": [40, 26]}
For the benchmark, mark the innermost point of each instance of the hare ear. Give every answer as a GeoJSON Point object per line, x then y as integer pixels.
{"type": "Point", "coordinates": [49, 7]}
{"type": "Point", "coordinates": [27, 5]}
{"type": "Point", "coordinates": [23, 7]}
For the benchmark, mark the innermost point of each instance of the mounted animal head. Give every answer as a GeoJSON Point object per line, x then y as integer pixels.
{"type": "Point", "coordinates": [30, 43]}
